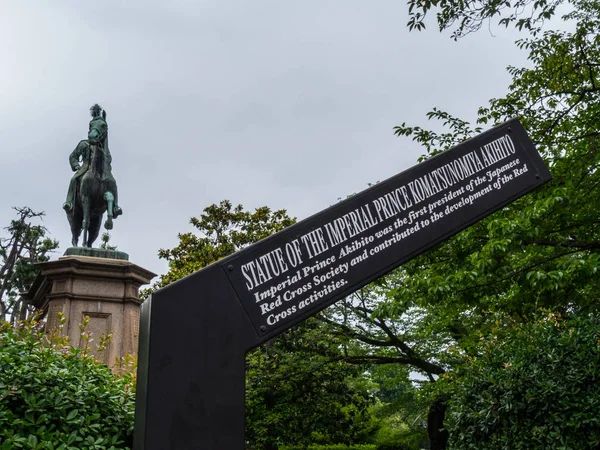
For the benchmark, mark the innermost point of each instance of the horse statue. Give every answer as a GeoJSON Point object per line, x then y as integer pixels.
{"type": "Point", "coordinates": [93, 189]}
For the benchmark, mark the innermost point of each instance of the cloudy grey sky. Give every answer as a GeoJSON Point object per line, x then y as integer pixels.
{"type": "Point", "coordinates": [289, 104]}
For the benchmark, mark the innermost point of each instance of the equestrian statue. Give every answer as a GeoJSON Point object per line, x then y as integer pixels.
{"type": "Point", "coordinates": [93, 189]}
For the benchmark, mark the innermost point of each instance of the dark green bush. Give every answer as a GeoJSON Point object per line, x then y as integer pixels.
{"type": "Point", "coordinates": [539, 388]}
{"type": "Point", "coordinates": [330, 447]}
{"type": "Point", "coordinates": [57, 397]}
{"type": "Point", "coordinates": [342, 447]}
{"type": "Point", "coordinates": [403, 438]}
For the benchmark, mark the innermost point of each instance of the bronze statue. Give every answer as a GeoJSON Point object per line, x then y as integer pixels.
{"type": "Point", "coordinates": [93, 189]}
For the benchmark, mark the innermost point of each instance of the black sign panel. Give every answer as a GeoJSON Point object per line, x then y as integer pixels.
{"type": "Point", "coordinates": [306, 267]}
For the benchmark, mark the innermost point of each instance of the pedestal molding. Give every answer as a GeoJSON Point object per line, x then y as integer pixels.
{"type": "Point", "coordinates": [106, 290]}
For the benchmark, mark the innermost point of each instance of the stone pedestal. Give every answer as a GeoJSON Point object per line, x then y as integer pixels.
{"type": "Point", "coordinates": [105, 290]}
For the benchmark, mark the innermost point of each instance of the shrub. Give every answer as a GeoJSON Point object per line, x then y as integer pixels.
{"type": "Point", "coordinates": [537, 389]}
{"type": "Point", "coordinates": [342, 447]}
{"type": "Point", "coordinates": [397, 438]}
{"type": "Point", "coordinates": [330, 447]}
{"type": "Point", "coordinates": [58, 397]}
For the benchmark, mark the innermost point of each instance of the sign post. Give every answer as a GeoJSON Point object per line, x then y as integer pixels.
{"type": "Point", "coordinates": [195, 333]}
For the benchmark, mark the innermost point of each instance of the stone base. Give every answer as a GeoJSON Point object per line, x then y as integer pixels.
{"type": "Point", "coordinates": [105, 290]}
{"type": "Point", "coordinates": [96, 253]}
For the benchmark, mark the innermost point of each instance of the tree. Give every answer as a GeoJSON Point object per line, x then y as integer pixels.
{"type": "Point", "coordinates": [404, 340]}
{"type": "Point", "coordinates": [224, 229]}
{"type": "Point", "coordinates": [543, 250]}
{"type": "Point", "coordinates": [401, 407]}
{"type": "Point", "coordinates": [541, 253]}
{"type": "Point", "coordinates": [300, 391]}
{"type": "Point", "coordinates": [26, 246]}
{"type": "Point", "coordinates": [379, 340]}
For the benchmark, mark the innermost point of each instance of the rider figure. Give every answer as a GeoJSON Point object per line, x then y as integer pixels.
{"type": "Point", "coordinates": [83, 152]}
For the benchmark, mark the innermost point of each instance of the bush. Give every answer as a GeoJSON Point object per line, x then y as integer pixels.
{"type": "Point", "coordinates": [537, 389]}
{"type": "Point", "coordinates": [400, 438]}
{"type": "Point", "coordinates": [58, 397]}
{"type": "Point", "coordinates": [342, 447]}
{"type": "Point", "coordinates": [329, 447]}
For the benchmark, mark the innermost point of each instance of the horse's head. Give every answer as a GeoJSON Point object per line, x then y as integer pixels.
{"type": "Point", "coordinates": [98, 125]}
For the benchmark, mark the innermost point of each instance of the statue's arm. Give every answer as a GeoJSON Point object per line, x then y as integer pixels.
{"type": "Point", "coordinates": [76, 155]}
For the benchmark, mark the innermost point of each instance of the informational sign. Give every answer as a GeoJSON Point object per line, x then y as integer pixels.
{"type": "Point", "coordinates": [312, 264]}
{"type": "Point", "coordinates": [195, 333]}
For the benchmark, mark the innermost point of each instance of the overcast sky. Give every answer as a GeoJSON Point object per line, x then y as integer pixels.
{"type": "Point", "coordinates": [289, 104]}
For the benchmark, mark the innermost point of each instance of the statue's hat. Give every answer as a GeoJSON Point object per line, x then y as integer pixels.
{"type": "Point", "coordinates": [97, 113]}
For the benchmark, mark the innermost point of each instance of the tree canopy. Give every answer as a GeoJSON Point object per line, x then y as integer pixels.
{"type": "Point", "coordinates": [541, 251]}
{"type": "Point", "coordinates": [538, 256]}
{"type": "Point", "coordinates": [223, 229]}
{"type": "Point", "coordinates": [27, 244]}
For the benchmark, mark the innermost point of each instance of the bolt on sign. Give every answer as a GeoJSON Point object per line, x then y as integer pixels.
{"type": "Point", "coordinates": [195, 333]}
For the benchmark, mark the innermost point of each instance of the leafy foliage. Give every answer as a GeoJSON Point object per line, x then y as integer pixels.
{"type": "Point", "coordinates": [541, 251]}
{"type": "Point", "coordinates": [105, 242]}
{"type": "Point", "coordinates": [401, 407]}
{"type": "Point", "coordinates": [537, 387]}
{"type": "Point", "coordinates": [223, 229]}
{"type": "Point", "coordinates": [468, 16]}
{"type": "Point", "coordinates": [380, 339]}
{"type": "Point", "coordinates": [330, 447]}
{"type": "Point", "coordinates": [341, 447]}
{"type": "Point", "coordinates": [540, 254]}
{"type": "Point", "coordinates": [300, 391]}
{"type": "Point", "coordinates": [53, 396]}
{"type": "Point", "coordinates": [26, 245]}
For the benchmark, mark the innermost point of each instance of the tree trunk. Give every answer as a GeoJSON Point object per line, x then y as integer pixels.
{"type": "Point", "coordinates": [438, 435]}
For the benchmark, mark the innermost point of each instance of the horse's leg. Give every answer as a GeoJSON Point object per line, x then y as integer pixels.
{"type": "Point", "coordinates": [94, 228]}
{"type": "Point", "coordinates": [78, 214]}
{"type": "Point", "coordinates": [75, 223]}
{"type": "Point", "coordinates": [74, 215]}
{"type": "Point", "coordinates": [114, 190]}
{"type": "Point", "coordinates": [85, 203]}
{"type": "Point", "coordinates": [109, 210]}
